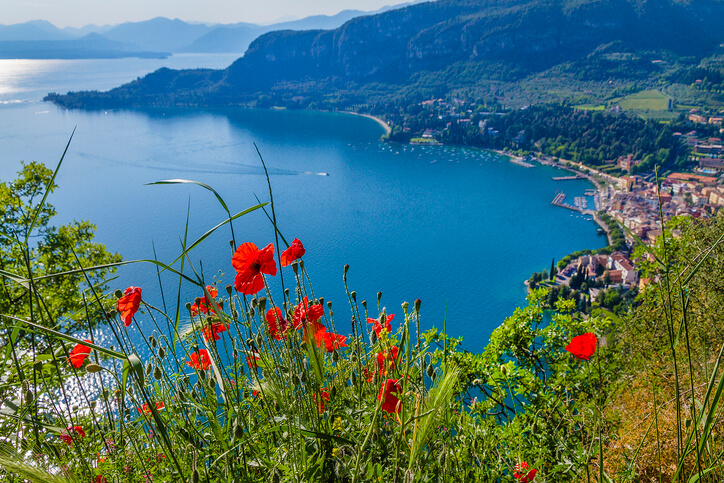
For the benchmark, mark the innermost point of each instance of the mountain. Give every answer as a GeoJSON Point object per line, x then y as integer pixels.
{"type": "Point", "coordinates": [159, 33]}
{"type": "Point", "coordinates": [87, 29]}
{"type": "Point", "coordinates": [237, 37]}
{"type": "Point", "coordinates": [437, 47]}
{"type": "Point", "coordinates": [33, 30]}
{"type": "Point", "coordinates": [91, 46]}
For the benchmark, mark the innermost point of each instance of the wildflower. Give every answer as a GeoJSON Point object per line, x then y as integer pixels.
{"type": "Point", "coordinates": [304, 313]}
{"type": "Point", "coordinates": [129, 303]}
{"type": "Point", "coordinates": [251, 360]}
{"type": "Point", "coordinates": [520, 472]}
{"type": "Point", "coordinates": [250, 263]}
{"type": "Point", "coordinates": [388, 395]}
{"type": "Point", "coordinates": [145, 409]}
{"type": "Point", "coordinates": [78, 354]}
{"type": "Point", "coordinates": [333, 341]}
{"type": "Point", "coordinates": [383, 322]}
{"type": "Point", "coordinates": [384, 356]}
{"type": "Point", "coordinates": [211, 332]}
{"type": "Point", "coordinates": [276, 324]}
{"type": "Point", "coordinates": [204, 304]}
{"type": "Point", "coordinates": [294, 252]}
{"type": "Point", "coordinates": [67, 434]}
{"type": "Point", "coordinates": [200, 359]}
{"type": "Point", "coordinates": [583, 346]}
{"type": "Point", "coordinates": [324, 397]}
{"type": "Point", "coordinates": [100, 479]}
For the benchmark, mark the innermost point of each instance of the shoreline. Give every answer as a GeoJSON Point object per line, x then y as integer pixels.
{"type": "Point", "coordinates": [379, 121]}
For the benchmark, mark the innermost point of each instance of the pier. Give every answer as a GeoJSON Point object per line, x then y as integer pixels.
{"type": "Point", "coordinates": [566, 178]}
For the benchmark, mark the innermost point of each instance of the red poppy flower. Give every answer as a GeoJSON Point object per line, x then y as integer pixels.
{"type": "Point", "coordinates": [129, 303]}
{"type": "Point", "coordinates": [78, 354]}
{"type": "Point", "coordinates": [324, 398]}
{"type": "Point", "coordinates": [205, 304]}
{"type": "Point", "coordinates": [383, 321]}
{"type": "Point", "coordinates": [317, 329]}
{"type": "Point", "coordinates": [211, 332]}
{"type": "Point", "coordinates": [251, 360]}
{"type": "Point", "coordinates": [294, 252]}
{"type": "Point", "coordinates": [583, 346]}
{"type": "Point", "coordinates": [250, 263]}
{"type": "Point", "coordinates": [384, 356]}
{"type": "Point", "coordinates": [100, 479]}
{"type": "Point", "coordinates": [334, 341]}
{"type": "Point", "coordinates": [145, 409]}
{"type": "Point", "coordinates": [276, 324]}
{"type": "Point", "coordinates": [67, 434]}
{"type": "Point", "coordinates": [520, 473]}
{"type": "Point", "coordinates": [200, 359]}
{"type": "Point", "coordinates": [388, 395]}
{"type": "Point", "coordinates": [304, 313]}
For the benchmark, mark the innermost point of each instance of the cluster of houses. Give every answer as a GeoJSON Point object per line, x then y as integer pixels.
{"type": "Point", "coordinates": [615, 268]}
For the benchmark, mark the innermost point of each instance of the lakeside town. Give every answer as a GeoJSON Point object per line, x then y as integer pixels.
{"type": "Point", "coordinates": [628, 201]}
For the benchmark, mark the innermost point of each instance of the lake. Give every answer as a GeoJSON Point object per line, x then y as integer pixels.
{"type": "Point", "coordinates": [459, 228]}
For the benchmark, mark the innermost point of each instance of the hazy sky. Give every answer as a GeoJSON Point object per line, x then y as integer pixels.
{"type": "Point", "coordinates": [76, 13]}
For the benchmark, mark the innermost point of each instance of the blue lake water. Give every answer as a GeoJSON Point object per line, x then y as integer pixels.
{"type": "Point", "coordinates": [459, 228]}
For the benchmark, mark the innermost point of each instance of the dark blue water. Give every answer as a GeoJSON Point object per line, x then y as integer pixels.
{"type": "Point", "coordinates": [458, 228]}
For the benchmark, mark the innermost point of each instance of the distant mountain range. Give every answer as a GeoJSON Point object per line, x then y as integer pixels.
{"type": "Point", "coordinates": [157, 36]}
{"type": "Point", "coordinates": [492, 47]}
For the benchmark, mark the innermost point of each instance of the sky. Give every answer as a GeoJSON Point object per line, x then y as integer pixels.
{"type": "Point", "coordinates": [77, 13]}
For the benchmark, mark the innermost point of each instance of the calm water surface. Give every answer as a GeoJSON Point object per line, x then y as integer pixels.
{"type": "Point", "coordinates": [456, 227]}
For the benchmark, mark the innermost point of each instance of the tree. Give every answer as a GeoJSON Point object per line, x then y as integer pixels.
{"type": "Point", "coordinates": [553, 268]}
{"type": "Point", "coordinates": [29, 251]}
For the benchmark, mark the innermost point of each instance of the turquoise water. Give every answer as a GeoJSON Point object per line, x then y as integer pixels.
{"type": "Point", "coordinates": [458, 228]}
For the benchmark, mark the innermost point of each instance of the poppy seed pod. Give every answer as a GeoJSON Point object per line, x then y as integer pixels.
{"type": "Point", "coordinates": [295, 267]}
{"type": "Point", "coordinates": [286, 292]}
{"type": "Point", "coordinates": [301, 264]}
{"type": "Point", "coordinates": [321, 301]}
{"type": "Point", "coordinates": [188, 306]}
{"type": "Point", "coordinates": [418, 302]}
{"type": "Point", "coordinates": [364, 304]}
{"type": "Point", "coordinates": [354, 295]}
{"type": "Point", "coordinates": [229, 289]}
{"type": "Point", "coordinates": [262, 304]}
{"type": "Point", "coordinates": [379, 296]}
{"type": "Point", "coordinates": [329, 304]}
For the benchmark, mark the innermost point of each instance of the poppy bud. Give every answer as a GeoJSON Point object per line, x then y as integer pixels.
{"type": "Point", "coordinates": [504, 370]}
{"type": "Point", "coordinates": [354, 378]}
{"type": "Point", "coordinates": [295, 267]}
{"type": "Point", "coordinates": [329, 304]}
{"type": "Point", "coordinates": [418, 302]}
{"type": "Point", "coordinates": [105, 393]}
{"type": "Point", "coordinates": [157, 374]}
{"type": "Point", "coordinates": [335, 356]}
{"type": "Point", "coordinates": [354, 295]}
{"type": "Point", "coordinates": [149, 369]}
{"type": "Point", "coordinates": [229, 289]}
{"type": "Point", "coordinates": [236, 353]}
{"type": "Point", "coordinates": [188, 306]}
{"type": "Point", "coordinates": [262, 304]}
{"type": "Point", "coordinates": [430, 370]}
{"type": "Point", "coordinates": [221, 304]}
{"type": "Point", "coordinates": [253, 302]}
{"type": "Point", "coordinates": [364, 304]}
{"type": "Point", "coordinates": [129, 390]}
{"type": "Point", "coordinates": [28, 396]}
{"type": "Point", "coordinates": [251, 313]}
{"type": "Point", "coordinates": [195, 477]}
{"type": "Point", "coordinates": [38, 366]}
{"type": "Point", "coordinates": [93, 404]}
{"type": "Point", "coordinates": [161, 352]}
{"type": "Point", "coordinates": [346, 268]}
{"type": "Point", "coordinates": [259, 340]}
{"type": "Point", "coordinates": [373, 337]}
{"type": "Point", "coordinates": [286, 292]}
{"type": "Point", "coordinates": [379, 296]}
{"type": "Point", "coordinates": [202, 375]}
{"type": "Point", "coordinates": [74, 408]}
{"type": "Point", "coordinates": [238, 431]}
{"type": "Point", "coordinates": [93, 368]}
{"type": "Point", "coordinates": [152, 341]}
{"type": "Point", "coordinates": [118, 293]}
{"type": "Point", "coordinates": [249, 342]}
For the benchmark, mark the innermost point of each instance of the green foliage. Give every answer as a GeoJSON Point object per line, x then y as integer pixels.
{"type": "Point", "coordinates": [52, 250]}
